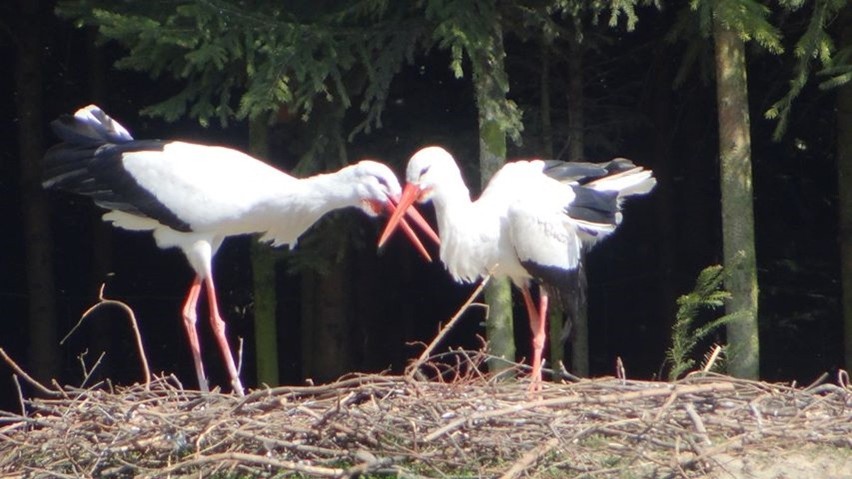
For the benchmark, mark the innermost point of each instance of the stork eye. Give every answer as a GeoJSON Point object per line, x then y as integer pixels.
{"type": "Point", "coordinates": [383, 182]}
{"type": "Point", "coordinates": [424, 170]}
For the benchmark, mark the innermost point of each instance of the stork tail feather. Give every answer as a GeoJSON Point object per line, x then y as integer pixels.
{"type": "Point", "coordinates": [635, 181]}
{"type": "Point", "coordinates": [90, 125]}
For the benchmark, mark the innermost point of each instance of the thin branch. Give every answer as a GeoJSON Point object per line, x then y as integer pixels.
{"type": "Point", "coordinates": [562, 401]}
{"type": "Point", "coordinates": [20, 372]}
{"type": "Point", "coordinates": [714, 356]}
{"type": "Point", "coordinates": [376, 424]}
{"type": "Point", "coordinates": [20, 395]}
{"type": "Point", "coordinates": [241, 457]}
{"type": "Point", "coordinates": [698, 423]}
{"type": "Point", "coordinates": [131, 316]}
{"type": "Point", "coordinates": [87, 372]}
{"type": "Point", "coordinates": [530, 458]}
{"type": "Point", "coordinates": [424, 356]}
{"type": "Point", "coordinates": [821, 379]}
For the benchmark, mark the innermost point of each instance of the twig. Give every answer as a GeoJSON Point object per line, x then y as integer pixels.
{"type": "Point", "coordinates": [757, 416]}
{"type": "Point", "coordinates": [102, 301]}
{"type": "Point", "coordinates": [843, 378]}
{"type": "Point", "coordinates": [561, 401]}
{"type": "Point", "coordinates": [370, 464]}
{"type": "Point", "coordinates": [241, 457]}
{"type": "Point", "coordinates": [821, 379]}
{"type": "Point", "coordinates": [697, 422]}
{"type": "Point", "coordinates": [42, 388]}
{"type": "Point", "coordinates": [239, 356]}
{"type": "Point", "coordinates": [669, 401]}
{"type": "Point", "coordinates": [50, 473]}
{"type": "Point", "coordinates": [708, 453]}
{"type": "Point", "coordinates": [642, 428]}
{"type": "Point", "coordinates": [717, 349]}
{"type": "Point", "coordinates": [563, 373]}
{"type": "Point", "coordinates": [530, 458]}
{"type": "Point", "coordinates": [20, 395]}
{"type": "Point", "coordinates": [620, 372]}
{"type": "Point", "coordinates": [87, 372]}
{"type": "Point", "coordinates": [424, 356]}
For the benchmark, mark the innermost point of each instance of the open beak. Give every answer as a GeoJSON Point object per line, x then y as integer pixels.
{"type": "Point", "coordinates": [418, 219]}
{"type": "Point", "coordinates": [406, 228]}
{"type": "Point", "coordinates": [405, 206]}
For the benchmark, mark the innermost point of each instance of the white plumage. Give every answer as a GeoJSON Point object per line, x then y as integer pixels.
{"type": "Point", "coordinates": [193, 196]}
{"type": "Point", "coordinates": [531, 224]}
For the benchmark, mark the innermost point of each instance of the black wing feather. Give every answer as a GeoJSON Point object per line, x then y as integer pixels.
{"type": "Point", "coordinates": [89, 162]}
{"type": "Point", "coordinates": [594, 206]}
{"type": "Point", "coordinates": [579, 172]}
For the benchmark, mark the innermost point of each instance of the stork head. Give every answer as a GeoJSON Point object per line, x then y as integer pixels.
{"type": "Point", "coordinates": [429, 169]}
{"type": "Point", "coordinates": [379, 192]}
{"type": "Point", "coordinates": [376, 187]}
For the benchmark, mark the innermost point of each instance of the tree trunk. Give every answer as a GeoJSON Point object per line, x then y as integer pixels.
{"type": "Point", "coordinates": [102, 331]}
{"type": "Point", "coordinates": [737, 201]}
{"type": "Point", "coordinates": [327, 347]}
{"type": "Point", "coordinates": [665, 199]}
{"type": "Point", "coordinates": [544, 87]}
{"type": "Point", "coordinates": [42, 354]}
{"type": "Point", "coordinates": [492, 155]}
{"type": "Point", "coordinates": [844, 178]}
{"type": "Point", "coordinates": [263, 259]}
{"type": "Point", "coordinates": [332, 337]}
{"type": "Point", "coordinates": [326, 329]}
{"type": "Point", "coordinates": [578, 311]}
{"type": "Point", "coordinates": [308, 294]}
{"type": "Point", "coordinates": [576, 119]}
{"type": "Point", "coordinates": [555, 313]}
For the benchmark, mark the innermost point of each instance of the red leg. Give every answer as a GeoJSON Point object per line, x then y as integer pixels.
{"type": "Point", "coordinates": [219, 330]}
{"type": "Point", "coordinates": [189, 320]}
{"type": "Point", "coordinates": [541, 334]}
{"type": "Point", "coordinates": [537, 326]}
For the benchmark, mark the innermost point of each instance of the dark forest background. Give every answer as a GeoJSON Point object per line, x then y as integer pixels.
{"type": "Point", "coordinates": [634, 107]}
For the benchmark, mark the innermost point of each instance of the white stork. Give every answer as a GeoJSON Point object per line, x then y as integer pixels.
{"type": "Point", "coordinates": [531, 224]}
{"type": "Point", "coordinates": [193, 196]}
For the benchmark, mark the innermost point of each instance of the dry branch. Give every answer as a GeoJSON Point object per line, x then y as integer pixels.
{"type": "Point", "coordinates": [530, 458]}
{"type": "Point", "coordinates": [414, 368]}
{"type": "Point", "coordinates": [474, 426]}
{"type": "Point", "coordinates": [131, 317]}
{"type": "Point", "coordinates": [20, 372]}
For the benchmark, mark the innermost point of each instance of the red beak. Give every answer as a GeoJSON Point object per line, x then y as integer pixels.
{"type": "Point", "coordinates": [392, 209]}
{"type": "Point", "coordinates": [405, 206]}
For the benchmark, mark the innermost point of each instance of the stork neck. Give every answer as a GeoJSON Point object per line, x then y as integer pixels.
{"type": "Point", "coordinates": [452, 205]}
{"type": "Point", "coordinates": [295, 206]}
{"type": "Point", "coordinates": [330, 191]}
{"type": "Point", "coordinates": [470, 233]}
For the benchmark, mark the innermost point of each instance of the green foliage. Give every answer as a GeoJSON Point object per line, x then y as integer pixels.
{"type": "Point", "coordinates": [240, 61]}
{"type": "Point", "coordinates": [473, 29]}
{"type": "Point", "coordinates": [468, 30]}
{"type": "Point", "coordinates": [616, 9]}
{"type": "Point", "coordinates": [237, 59]}
{"type": "Point", "coordinates": [749, 19]}
{"type": "Point", "coordinates": [839, 72]}
{"type": "Point", "coordinates": [815, 45]}
{"type": "Point", "coordinates": [707, 294]}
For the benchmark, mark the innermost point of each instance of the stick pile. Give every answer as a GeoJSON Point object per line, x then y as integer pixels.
{"type": "Point", "coordinates": [459, 423]}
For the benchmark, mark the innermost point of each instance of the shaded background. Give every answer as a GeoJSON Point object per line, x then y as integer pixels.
{"type": "Point", "coordinates": [634, 277]}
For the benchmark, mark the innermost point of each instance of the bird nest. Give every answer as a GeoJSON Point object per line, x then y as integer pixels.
{"type": "Point", "coordinates": [459, 422]}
